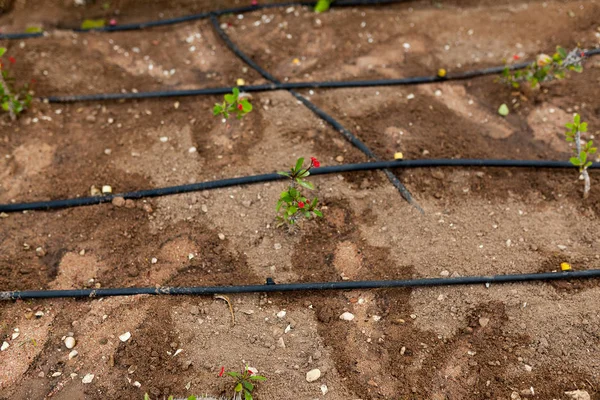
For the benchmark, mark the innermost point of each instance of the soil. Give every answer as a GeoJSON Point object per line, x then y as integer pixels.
{"type": "Point", "coordinates": [474, 342]}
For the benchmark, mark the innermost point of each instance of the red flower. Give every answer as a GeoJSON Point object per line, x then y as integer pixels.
{"type": "Point", "coordinates": [222, 371]}
{"type": "Point", "coordinates": [12, 60]}
{"type": "Point", "coordinates": [254, 2]}
{"type": "Point", "coordinates": [315, 162]}
{"type": "Point", "coordinates": [112, 22]}
{"type": "Point", "coordinates": [516, 57]}
{"type": "Point", "coordinates": [583, 54]}
{"type": "Point", "coordinates": [240, 107]}
{"type": "Point", "coordinates": [250, 372]}
{"type": "Point", "coordinates": [300, 204]}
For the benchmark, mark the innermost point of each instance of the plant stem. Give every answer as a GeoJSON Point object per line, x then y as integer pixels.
{"type": "Point", "coordinates": [586, 184]}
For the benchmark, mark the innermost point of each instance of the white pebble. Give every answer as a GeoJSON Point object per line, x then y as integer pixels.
{"type": "Point", "coordinates": [70, 342]}
{"type": "Point", "coordinates": [154, 260]}
{"type": "Point", "coordinates": [15, 335]}
{"type": "Point", "coordinates": [125, 337]}
{"type": "Point", "coordinates": [73, 354]}
{"type": "Point", "coordinates": [281, 314]}
{"type": "Point", "coordinates": [347, 316]}
{"type": "Point", "coordinates": [88, 378]}
{"type": "Point", "coordinates": [164, 139]}
{"type": "Point", "coordinates": [324, 389]}
{"type": "Point", "coordinates": [56, 374]}
{"type": "Point", "coordinates": [192, 149]}
{"type": "Point", "coordinates": [221, 236]}
{"type": "Point", "coordinates": [313, 375]}
{"type": "Point", "coordinates": [4, 346]}
{"type": "Point", "coordinates": [410, 96]}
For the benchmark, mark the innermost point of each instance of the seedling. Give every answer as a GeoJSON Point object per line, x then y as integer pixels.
{"type": "Point", "coordinates": [582, 151]}
{"type": "Point", "coordinates": [233, 104]}
{"type": "Point", "coordinates": [14, 101]}
{"type": "Point", "coordinates": [323, 5]}
{"type": "Point", "coordinates": [88, 24]}
{"type": "Point", "coordinates": [546, 68]}
{"type": "Point", "coordinates": [292, 204]}
{"type": "Point", "coordinates": [243, 383]}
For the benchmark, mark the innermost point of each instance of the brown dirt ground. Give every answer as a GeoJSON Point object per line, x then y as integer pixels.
{"type": "Point", "coordinates": [439, 343]}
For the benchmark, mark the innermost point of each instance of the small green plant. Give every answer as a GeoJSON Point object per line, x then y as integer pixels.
{"type": "Point", "coordinates": [292, 204]}
{"type": "Point", "coordinates": [243, 383]}
{"type": "Point", "coordinates": [88, 24]}
{"type": "Point", "coordinates": [582, 150]}
{"type": "Point", "coordinates": [323, 5]}
{"type": "Point", "coordinates": [546, 68]}
{"type": "Point", "coordinates": [233, 104]}
{"type": "Point", "coordinates": [14, 101]}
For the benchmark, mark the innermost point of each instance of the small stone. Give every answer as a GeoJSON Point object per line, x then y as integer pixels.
{"type": "Point", "coordinates": [40, 252]}
{"type": "Point", "coordinates": [281, 314]}
{"type": "Point", "coordinates": [528, 368]}
{"type": "Point", "coordinates": [82, 252]}
{"type": "Point", "coordinates": [118, 201]}
{"type": "Point", "coordinates": [106, 189]}
{"type": "Point", "coordinates": [41, 374]}
{"type": "Point", "coordinates": [313, 375]}
{"type": "Point", "coordinates": [281, 343]}
{"type": "Point", "coordinates": [88, 378]}
{"type": "Point", "coordinates": [73, 354]}
{"type": "Point", "coordinates": [3, 215]}
{"type": "Point", "coordinates": [125, 337]}
{"type": "Point", "coordinates": [483, 322]}
{"type": "Point", "coordinates": [347, 316]}
{"type": "Point", "coordinates": [154, 260]}
{"type": "Point", "coordinates": [339, 159]}
{"type": "Point", "coordinates": [508, 243]}
{"type": "Point", "coordinates": [204, 208]}
{"type": "Point", "coordinates": [70, 342]}
{"type": "Point", "coordinates": [129, 203]}
{"type": "Point", "coordinates": [445, 273]}
{"type": "Point", "coordinates": [147, 208]}
{"type": "Point", "coordinates": [562, 247]}
{"type": "Point", "coordinates": [94, 191]}
{"type": "Point", "coordinates": [56, 374]}
{"type": "Point", "coordinates": [277, 246]}
{"type": "Point", "coordinates": [221, 236]}
{"type": "Point", "coordinates": [4, 346]}
{"type": "Point", "coordinates": [324, 389]}
{"type": "Point", "coordinates": [39, 314]}
{"type": "Point", "coordinates": [578, 395]}
{"type": "Point", "coordinates": [15, 335]}
{"type": "Point", "coordinates": [410, 96]}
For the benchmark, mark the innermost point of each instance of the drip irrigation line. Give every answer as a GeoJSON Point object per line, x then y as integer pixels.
{"type": "Point", "coordinates": [253, 179]}
{"type": "Point", "coordinates": [317, 111]}
{"type": "Point", "coordinates": [271, 286]}
{"type": "Point", "coordinates": [415, 80]}
{"type": "Point", "coordinates": [199, 16]}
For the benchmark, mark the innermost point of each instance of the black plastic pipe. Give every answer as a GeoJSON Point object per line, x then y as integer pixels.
{"type": "Point", "coordinates": [204, 15]}
{"type": "Point", "coordinates": [297, 287]}
{"type": "Point", "coordinates": [415, 80]}
{"type": "Point", "coordinates": [252, 179]}
{"type": "Point", "coordinates": [316, 110]}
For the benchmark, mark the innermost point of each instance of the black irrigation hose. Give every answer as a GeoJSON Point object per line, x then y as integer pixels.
{"type": "Point", "coordinates": [415, 80]}
{"type": "Point", "coordinates": [297, 287]}
{"type": "Point", "coordinates": [252, 179]}
{"type": "Point", "coordinates": [316, 110]}
{"type": "Point", "coordinates": [204, 15]}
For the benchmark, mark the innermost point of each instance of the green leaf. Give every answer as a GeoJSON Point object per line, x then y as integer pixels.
{"type": "Point", "coordinates": [304, 174]}
{"type": "Point", "coordinates": [322, 6]}
{"type": "Point", "coordinates": [292, 210]}
{"type": "Point", "coordinates": [246, 106]}
{"type": "Point", "coordinates": [248, 386]}
{"type": "Point", "coordinates": [575, 161]}
{"type": "Point", "coordinates": [576, 119]}
{"type": "Point", "coordinates": [285, 196]}
{"type": "Point", "coordinates": [230, 98]}
{"type": "Point", "coordinates": [593, 150]}
{"type": "Point", "coordinates": [307, 214]}
{"type": "Point", "coordinates": [146, 397]}
{"type": "Point", "coordinates": [238, 387]}
{"type": "Point", "coordinates": [192, 397]}
{"type": "Point", "coordinates": [305, 184]}
{"type": "Point", "coordinates": [234, 374]}
{"type": "Point", "coordinates": [313, 203]}
{"type": "Point", "coordinates": [583, 127]}
{"type": "Point", "coordinates": [218, 109]}
{"type": "Point", "coordinates": [2, 51]}
{"type": "Point", "coordinates": [503, 110]}
{"type": "Point", "coordinates": [6, 106]}
{"type": "Point", "coordinates": [247, 396]}
{"type": "Point", "coordinates": [299, 163]}
{"type": "Point", "coordinates": [33, 29]}
{"type": "Point", "coordinates": [284, 174]}
{"type": "Point", "coordinates": [318, 213]}
{"type": "Point", "coordinates": [583, 158]}
{"type": "Point", "coordinates": [170, 397]}
{"type": "Point", "coordinates": [236, 92]}
{"type": "Point", "coordinates": [578, 68]}
{"type": "Point", "coordinates": [258, 378]}
{"type": "Point", "coordinates": [561, 52]}
{"type": "Point", "coordinates": [93, 24]}
{"type": "Point", "coordinates": [589, 163]}
{"type": "Point", "coordinates": [279, 204]}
